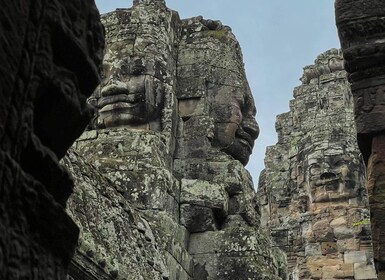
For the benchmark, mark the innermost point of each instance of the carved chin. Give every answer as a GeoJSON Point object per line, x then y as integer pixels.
{"type": "Point", "coordinates": [240, 150]}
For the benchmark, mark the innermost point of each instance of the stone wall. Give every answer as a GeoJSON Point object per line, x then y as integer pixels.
{"type": "Point", "coordinates": [50, 55]}
{"type": "Point", "coordinates": [361, 29]}
{"type": "Point", "coordinates": [311, 192]}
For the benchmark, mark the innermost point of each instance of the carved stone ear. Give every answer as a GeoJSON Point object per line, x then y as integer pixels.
{"type": "Point", "coordinates": [154, 95]}
{"type": "Point", "coordinates": [159, 93]}
{"type": "Point", "coordinates": [149, 91]}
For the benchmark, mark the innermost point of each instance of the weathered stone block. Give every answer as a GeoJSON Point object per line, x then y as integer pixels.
{"type": "Point", "coordinates": [197, 218]}
{"type": "Point", "coordinates": [320, 261]}
{"type": "Point", "coordinates": [328, 248]}
{"type": "Point", "coordinates": [364, 271]}
{"type": "Point", "coordinates": [344, 232]}
{"type": "Point", "coordinates": [340, 221]}
{"type": "Point", "coordinates": [189, 87]}
{"type": "Point", "coordinates": [204, 193]}
{"type": "Point", "coordinates": [343, 271]}
{"type": "Point", "coordinates": [138, 188]}
{"type": "Point", "coordinates": [355, 257]}
{"type": "Point", "coordinates": [232, 174]}
{"type": "Point", "coordinates": [228, 241]}
{"type": "Point", "coordinates": [322, 231]}
{"type": "Point", "coordinates": [351, 244]}
{"type": "Point", "coordinates": [191, 169]}
{"type": "Point", "coordinates": [244, 205]}
{"type": "Point", "coordinates": [280, 237]}
{"type": "Point", "coordinates": [223, 253]}
{"type": "Point", "coordinates": [191, 107]}
{"type": "Point", "coordinates": [172, 236]}
{"type": "Point", "coordinates": [313, 249]}
{"type": "Point", "coordinates": [315, 271]}
{"type": "Point", "coordinates": [196, 147]}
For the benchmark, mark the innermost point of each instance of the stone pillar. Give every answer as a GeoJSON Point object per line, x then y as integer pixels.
{"type": "Point", "coordinates": [50, 53]}
{"type": "Point", "coordinates": [361, 28]}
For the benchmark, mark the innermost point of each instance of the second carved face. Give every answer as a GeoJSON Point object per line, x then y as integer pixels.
{"type": "Point", "coordinates": [235, 127]}
{"type": "Point", "coordinates": [333, 178]}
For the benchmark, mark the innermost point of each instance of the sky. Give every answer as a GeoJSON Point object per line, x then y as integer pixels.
{"type": "Point", "coordinates": [278, 38]}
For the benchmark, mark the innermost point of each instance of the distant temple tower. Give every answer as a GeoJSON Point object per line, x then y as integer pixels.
{"type": "Point", "coordinates": [311, 192]}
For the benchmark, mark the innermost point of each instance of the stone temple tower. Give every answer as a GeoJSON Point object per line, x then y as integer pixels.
{"type": "Point", "coordinates": [311, 192]}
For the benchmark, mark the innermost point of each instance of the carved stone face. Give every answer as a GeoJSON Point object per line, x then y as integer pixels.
{"type": "Point", "coordinates": [236, 129]}
{"type": "Point", "coordinates": [129, 94]}
{"type": "Point", "coordinates": [333, 178]}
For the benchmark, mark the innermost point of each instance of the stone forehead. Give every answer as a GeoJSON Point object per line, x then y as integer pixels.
{"type": "Point", "coordinates": [140, 21]}
{"type": "Point", "coordinates": [327, 148]}
{"type": "Point", "coordinates": [209, 50]}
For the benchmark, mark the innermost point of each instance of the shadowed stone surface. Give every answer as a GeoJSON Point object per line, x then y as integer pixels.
{"type": "Point", "coordinates": [311, 192]}
{"type": "Point", "coordinates": [361, 28]}
{"type": "Point", "coordinates": [50, 55]}
{"type": "Point", "coordinates": [162, 165]}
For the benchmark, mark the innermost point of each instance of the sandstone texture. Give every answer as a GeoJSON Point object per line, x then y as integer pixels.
{"type": "Point", "coordinates": [161, 188]}
{"type": "Point", "coordinates": [50, 53]}
{"type": "Point", "coordinates": [312, 191]}
{"type": "Point", "coordinates": [120, 237]}
{"type": "Point", "coordinates": [361, 28]}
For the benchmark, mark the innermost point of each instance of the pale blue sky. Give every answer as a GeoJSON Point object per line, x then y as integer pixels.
{"type": "Point", "coordinates": [278, 38]}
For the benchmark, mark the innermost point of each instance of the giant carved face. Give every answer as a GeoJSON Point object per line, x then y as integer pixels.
{"type": "Point", "coordinates": [234, 112]}
{"type": "Point", "coordinates": [211, 61]}
{"type": "Point", "coordinates": [129, 94]}
{"type": "Point", "coordinates": [334, 178]}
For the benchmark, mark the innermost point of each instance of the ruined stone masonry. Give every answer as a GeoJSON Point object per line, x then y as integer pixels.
{"type": "Point", "coordinates": [312, 191]}
{"type": "Point", "coordinates": [361, 28]}
{"type": "Point", "coordinates": [161, 191]}
{"type": "Point", "coordinates": [161, 188]}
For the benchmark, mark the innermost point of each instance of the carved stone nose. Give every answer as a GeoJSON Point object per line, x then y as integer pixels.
{"type": "Point", "coordinates": [251, 127]}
